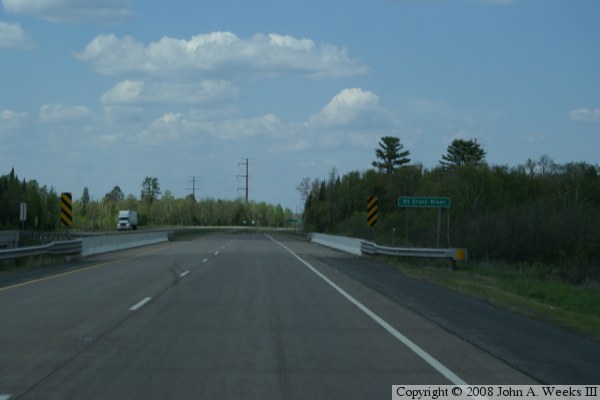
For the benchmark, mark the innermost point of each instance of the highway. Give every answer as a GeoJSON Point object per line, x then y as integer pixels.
{"type": "Point", "coordinates": [228, 316]}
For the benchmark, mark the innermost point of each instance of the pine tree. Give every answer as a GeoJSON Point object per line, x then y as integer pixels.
{"type": "Point", "coordinates": [390, 155]}
{"type": "Point", "coordinates": [463, 152]}
{"type": "Point", "coordinates": [85, 199]}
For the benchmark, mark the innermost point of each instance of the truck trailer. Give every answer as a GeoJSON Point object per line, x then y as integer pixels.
{"type": "Point", "coordinates": [128, 220]}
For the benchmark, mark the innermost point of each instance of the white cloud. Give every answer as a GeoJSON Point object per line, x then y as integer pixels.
{"type": "Point", "coordinates": [265, 125]}
{"type": "Point", "coordinates": [219, 53]}
{"type": "Point", "coordinates": [171, 127]}
{"type": "Point", "coordinates": [122, 113]}
{"type": "Point", "coordinates": [140, 92]}
{"type": "Point", "coordinates": [223, 111]}
{"type": "Point", "coordinates": [345, 107]}
{"type": "Point", "coordinates": [11, 121]}
{"type": "Point", "coordinates": [12, 36]}
{"type": "Point", "coordinates": [166, 129]}
{"type": "Point", "coordinates": [57, 113]}
{"type": "Point", "coordinates": [352, 107]}
{"type": "Point", "coordinates": [585, 115]}
{"type": "Point", "coordinates": [354, 117]}
{"type": "Point", "coordinates": [300, 145]}
{"type": "Point", "coordinates": [71, 10]}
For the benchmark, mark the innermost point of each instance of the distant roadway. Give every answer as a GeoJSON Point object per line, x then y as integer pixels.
{"type": "Point", "coordinates": [247, 316]}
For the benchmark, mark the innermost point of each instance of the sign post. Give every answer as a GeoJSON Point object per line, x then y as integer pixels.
{"type": "Point", "coordinates": [439, 227]}
{"type": "Point", "coordinates": [23, 215]}
{"type": "Point", "coordinates": [426, 202]}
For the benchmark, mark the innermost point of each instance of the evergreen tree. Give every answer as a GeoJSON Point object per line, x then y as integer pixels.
{"type": "Point", "coordinates": [463, 152]}
{"type": "Point", "coordinates": [85, 199]}
{"type": "Point", "coordinates": [390, 155]}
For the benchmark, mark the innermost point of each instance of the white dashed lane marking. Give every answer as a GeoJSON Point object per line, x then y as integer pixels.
{"type": "Point", "coordinates": [140, 304]}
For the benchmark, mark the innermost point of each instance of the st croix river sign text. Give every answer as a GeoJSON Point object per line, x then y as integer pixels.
{"type": "Point", "coordinates": [425, 202]}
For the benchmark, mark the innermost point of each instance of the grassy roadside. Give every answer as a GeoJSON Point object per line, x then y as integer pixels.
{"type": "Point", "coordinates": [573, 306]}
{"type": "Point", "coordinates": [18, 265]}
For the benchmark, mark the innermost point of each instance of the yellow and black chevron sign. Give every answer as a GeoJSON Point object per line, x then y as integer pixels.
{"type": "Point", "coordinates": [66, 209]}
{"type": "Point", "coordinates": [372, 204]}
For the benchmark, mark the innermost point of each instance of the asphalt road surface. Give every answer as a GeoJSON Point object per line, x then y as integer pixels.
{"type": "Point", "coordinates": [229, 316]}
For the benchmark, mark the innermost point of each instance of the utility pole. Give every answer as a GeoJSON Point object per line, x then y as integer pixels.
{"type": "Point", "coordinates": [193, 188]}
{"type": "Point", "coordinates": [244, 176]}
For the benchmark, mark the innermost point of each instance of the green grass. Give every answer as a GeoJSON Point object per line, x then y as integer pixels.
{"type": "Point", "coordinates": [13, 266]}
{"type": "Point", "coordinates": [576, 307]}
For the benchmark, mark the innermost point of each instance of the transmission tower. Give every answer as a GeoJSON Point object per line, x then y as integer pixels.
{"type": "Point", "coordinates": [193, 188]}
{"type": "Point", "coordinates": [244, 176]}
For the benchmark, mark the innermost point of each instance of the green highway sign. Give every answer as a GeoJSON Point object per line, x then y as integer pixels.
{"type": "Point", "coordinates": [425, 202]}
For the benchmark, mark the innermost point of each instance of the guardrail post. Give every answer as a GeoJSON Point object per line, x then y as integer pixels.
{"type": "Point", "coordinates": [452, 264]}
{"type": "Point", "coordinates": [439, 227]}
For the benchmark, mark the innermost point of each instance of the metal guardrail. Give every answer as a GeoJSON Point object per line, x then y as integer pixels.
{"type": "Point", "coordinates": [65, 247]}
{"type": "Point", "coordinates": [48, 237]}
{"type": "Point", "coordinates": [454, 255]}
{"type": "Point", "coordinates": [9, 239]}
{"type": "Point", "coordinates": [342, 243]}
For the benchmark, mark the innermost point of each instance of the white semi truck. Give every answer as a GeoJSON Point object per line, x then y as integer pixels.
{"type": "Point", "coordinates": [128, 220]}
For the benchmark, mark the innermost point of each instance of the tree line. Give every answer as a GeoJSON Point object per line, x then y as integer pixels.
{"type": "Point", "coordinates": [169, 210]}
{"type": "Point", "coordinates": [537, 212]}
{"type": "Point", "coordinates": [43, 204]}
{"type": "Point", "coordinates": [154, 207]}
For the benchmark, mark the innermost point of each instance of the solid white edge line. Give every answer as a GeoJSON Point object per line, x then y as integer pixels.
{"type": "Point", "coordinates": [184, 274]}
{"type": "Point", "coordinates": [140, 304]}
{"type": "Point", "coordinates": [4, 396]}
{"type": "Point", "coordinates": [438, 366]}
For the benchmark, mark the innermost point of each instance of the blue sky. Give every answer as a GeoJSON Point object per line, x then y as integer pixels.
{"type": "Point", "coordinates": [103, 93]}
